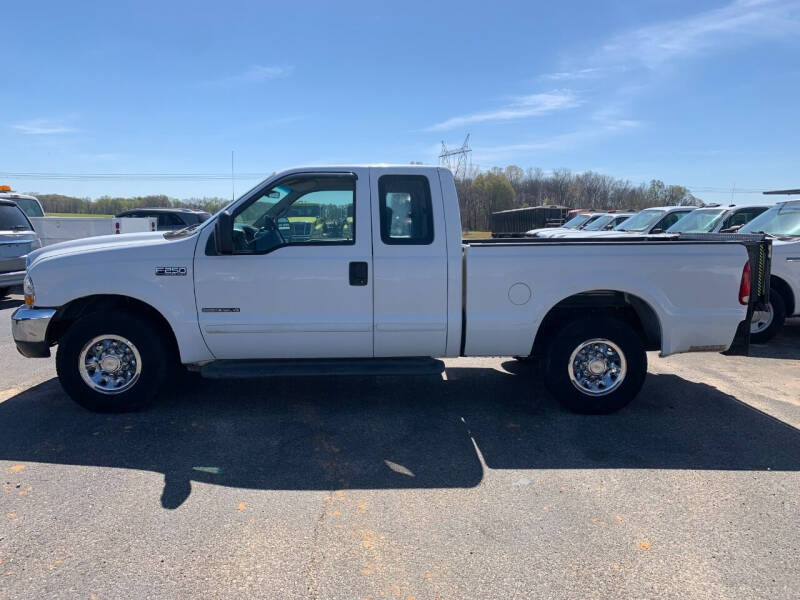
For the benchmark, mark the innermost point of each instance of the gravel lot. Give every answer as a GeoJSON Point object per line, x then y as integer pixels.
{"type": "Point", "coordinates": [474, 486]}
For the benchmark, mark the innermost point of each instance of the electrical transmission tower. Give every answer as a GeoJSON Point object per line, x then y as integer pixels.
{"type": "Point", "coordinates": [458, 160]}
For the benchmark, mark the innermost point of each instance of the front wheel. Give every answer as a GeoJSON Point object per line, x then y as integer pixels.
{"type": "Point", "coordinates": [595, 365]}
{"type": "Point", "coordinates": [766, 323]}
{"type": "Point", "coordinates": [111, 363]}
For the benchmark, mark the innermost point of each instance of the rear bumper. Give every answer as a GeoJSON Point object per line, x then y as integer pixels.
{"type": "Point", "coordinates": [29, 329]}
{"type": "Point", "coordinates": [12, 278]}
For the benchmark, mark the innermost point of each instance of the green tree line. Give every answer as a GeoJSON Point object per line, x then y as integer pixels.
{"type": "Point", "coordinates": [479, 195]}
{"type": "Point", "coordinates": [482, 193]}
{"type": "Point", "coordinates": [108, 205]}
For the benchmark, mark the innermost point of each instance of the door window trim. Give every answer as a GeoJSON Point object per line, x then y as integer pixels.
{"type": "Point", "coordinates": [258, 192]}
{"type": "Point", "coordinates": [394, 241]}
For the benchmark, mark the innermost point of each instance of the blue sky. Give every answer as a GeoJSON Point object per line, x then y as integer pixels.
{"type": "Point", "coordinates": [704, 94]}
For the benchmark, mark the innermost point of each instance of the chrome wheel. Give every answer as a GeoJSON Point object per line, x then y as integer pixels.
{"type": "Point", "coordinates": [109, 364]}
{"type": "Point", "coordinates": [597, 367]}
{"type": "Point", "coordinates": [762, 319]}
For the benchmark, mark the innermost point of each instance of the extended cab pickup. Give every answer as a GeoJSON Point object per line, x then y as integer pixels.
{"type": "Point", "coordinates": [386, 287]}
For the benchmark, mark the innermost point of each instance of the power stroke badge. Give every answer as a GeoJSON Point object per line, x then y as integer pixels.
{"type": "Point", "coordinates": [170, 271]}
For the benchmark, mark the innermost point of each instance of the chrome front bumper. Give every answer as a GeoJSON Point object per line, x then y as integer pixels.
{"type": "Point", "coordinates": [29, 329]}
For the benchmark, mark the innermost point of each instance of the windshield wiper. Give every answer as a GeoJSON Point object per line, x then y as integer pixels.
{"type": "Point", "coordinates": [182, 232]}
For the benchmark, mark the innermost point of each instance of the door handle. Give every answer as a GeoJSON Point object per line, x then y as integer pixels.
{"type": "Point", "coordinates": [359, 273]}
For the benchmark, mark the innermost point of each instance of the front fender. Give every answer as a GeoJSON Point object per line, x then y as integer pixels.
{"type": "Point", "coordinates": [145, 272]}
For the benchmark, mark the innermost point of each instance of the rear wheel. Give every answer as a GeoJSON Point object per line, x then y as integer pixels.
{"type": "Point", "coordinates": [766, 323]}
{"type": "Point", "coordinates": [111, 363]}
{"type": "Point", "coordinates": [595, 365]}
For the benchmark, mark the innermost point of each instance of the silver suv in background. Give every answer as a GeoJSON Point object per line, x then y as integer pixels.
{"type": "Point", "coordinates": [717, 219]}
{"type": "Point", "coordinates": [17, 239]}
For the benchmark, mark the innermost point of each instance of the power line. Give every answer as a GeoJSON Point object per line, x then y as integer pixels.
{"type": "Point", "coordinates": [134, 176]}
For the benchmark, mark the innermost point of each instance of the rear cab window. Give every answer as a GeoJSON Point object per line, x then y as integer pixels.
{"type": "Point", "coordinates": [30, 207]}
{"type": "Point", "coordinates": [406, 210]}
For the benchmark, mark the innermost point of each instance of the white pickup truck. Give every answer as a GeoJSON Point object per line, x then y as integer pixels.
{"type": "Point", "coordinates": [383, 284]}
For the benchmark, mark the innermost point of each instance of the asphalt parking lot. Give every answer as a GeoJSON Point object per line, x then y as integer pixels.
{"type": "Point", "coordinates": [477, 485]}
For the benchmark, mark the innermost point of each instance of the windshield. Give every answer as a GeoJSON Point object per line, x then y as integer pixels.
{"type": "Point", "coordinates": [599, 223]}
{"type": "Point", "coordinates": [644, 220]}
{"type": "Point", "coordinates": [304, 210]}
{"type": "Point", "coordinates": [782, 219]}
{"type": "Point", "coordinates": [29, 206]}
{"type": "Point", "coordinates": [698, 221]}
{"type": "Point", "coordinates": [576, 221]}
{"type": "Point", "coordinates": [13, 219]}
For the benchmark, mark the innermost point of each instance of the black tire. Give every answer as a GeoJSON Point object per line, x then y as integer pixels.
{"type": "Point", "coordinates": [141, 333]}
{"type": "Point", "coordinates": [778, 307]}
{"type": "Point", "coordinates": [4, 292]}
{"type": "Point", "coordinates": [569, 338]}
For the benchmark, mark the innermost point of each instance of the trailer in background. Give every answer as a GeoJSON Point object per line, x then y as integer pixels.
{"type": "Point", "coordinates": [53, 230]}
{"type": "Point", "coordinates": [515, 222]}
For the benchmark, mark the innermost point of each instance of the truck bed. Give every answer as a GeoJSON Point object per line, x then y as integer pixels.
{"type": "Point", "coordinates": [691, 283]}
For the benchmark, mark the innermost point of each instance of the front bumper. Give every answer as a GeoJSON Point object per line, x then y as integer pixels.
{"type": "Point", "coordinates": [29, 329]}
{"type": "Point", "coordinates": [12, 278]}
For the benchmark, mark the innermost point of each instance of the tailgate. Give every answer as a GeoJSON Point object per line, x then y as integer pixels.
{"type": "Point", "coordinates": [759, 251]}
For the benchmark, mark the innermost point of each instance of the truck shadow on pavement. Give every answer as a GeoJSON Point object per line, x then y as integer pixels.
{"type": "Point", "coordinates": [784, 345]}
{"type": "Point", "coordinates": [381, 433]}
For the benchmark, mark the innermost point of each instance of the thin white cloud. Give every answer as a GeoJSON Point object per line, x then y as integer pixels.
{"type": "Point", "coordinates": [43, 127]}
{"type": "Point", "coordinates": [523, 107]}
{"type": "Point", "coordinates": [739, 22]}
{"type": "Point", "coordinates": [255, 74]}
{"type": "Point", "coordinates": [280, 121]}
{"type": "Point", "coordinates": [605, 123]}
{"type": "Point", "coordinates": [588, 73]}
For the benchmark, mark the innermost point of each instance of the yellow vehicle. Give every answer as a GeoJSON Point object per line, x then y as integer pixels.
{"type": "Point", "coordinates": [305, 221]}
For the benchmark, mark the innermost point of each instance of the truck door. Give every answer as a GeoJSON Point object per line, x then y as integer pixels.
{"type": "Point", "coordinates": [299, 281]}
{"type": "Point", "coordinates": [410, 263]}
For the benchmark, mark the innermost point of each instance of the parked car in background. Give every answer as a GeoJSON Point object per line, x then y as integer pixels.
{"type": "Point", "coordinates": [717, 219]}
{"type": "Point", "coordinates": [782, 223]}
{"type": "Point", "coordinates": [30, 205]}
{"type": "Point", "coordinates": [605, 222]}
{"type": "Point", "coordinates": [579, 221]}
{"type": "Point", "coordinates": [650, 221]}
{"type": "Point", "coordinates": [169, 219]}
{"type": "Point", "coordinates": [17, 239]}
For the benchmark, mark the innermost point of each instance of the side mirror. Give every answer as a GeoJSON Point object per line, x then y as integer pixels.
{"type": "Point", "coordinates": [733, 229]}
{"type": "Point", "coordinates": [223, 233]}
{"type": "Point", "coordinates": [657, 230]}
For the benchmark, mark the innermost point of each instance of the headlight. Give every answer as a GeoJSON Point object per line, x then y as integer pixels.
{"type": "Point", "coordinates": [28, 290]}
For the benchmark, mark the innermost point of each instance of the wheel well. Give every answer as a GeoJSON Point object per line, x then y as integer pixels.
{"type": "Point", "coordinates": [783, 288]}
{"type": "Point", "coordinates": [631, 309]}
{"type": "Point", "coordinates": [80, 307]}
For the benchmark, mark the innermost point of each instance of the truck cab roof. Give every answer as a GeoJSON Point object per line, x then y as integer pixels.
{"type": "Point", "coordinates": [30, 205]}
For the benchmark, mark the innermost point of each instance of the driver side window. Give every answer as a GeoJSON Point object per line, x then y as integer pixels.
{"type": "Point", "coordinates": [297, 211]}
